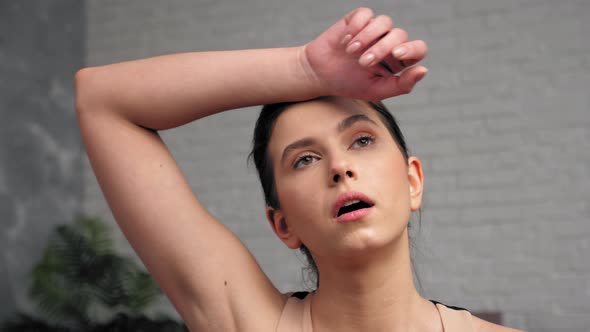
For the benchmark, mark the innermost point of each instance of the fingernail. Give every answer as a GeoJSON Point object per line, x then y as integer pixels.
{"type": "Point", "coordinates": [353, 47]}
{"type": "Point", "coordinates": [346, 39]}
{"type": "Point", "coordinates": [399, 52]}
{"type": "Point", "coordinates": [420, 76]}
{"type": "Point", "coordinates": [367, 59]}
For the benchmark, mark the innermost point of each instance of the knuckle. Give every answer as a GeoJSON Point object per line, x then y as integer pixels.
{"type": "Point", "coordinates": [407, 89]}
{"type": "Point", "coordinates": [377, 51]}
{"type": "Point", "coordinates": [360, 19]}
{"type": "Point", "coordinates": [364, 11]}
{"type": "Point", "coordinates": [403, 34]}
{"type": "Point", "coordinates": [380, 50]}
{"type": "Point", "coordinates": [385, 20]}
{"type": "Point", "coordinates": [422, 44]}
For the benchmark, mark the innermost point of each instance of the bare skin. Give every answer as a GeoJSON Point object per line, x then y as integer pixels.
{"type": "Point", "coordinates": [121, 107]}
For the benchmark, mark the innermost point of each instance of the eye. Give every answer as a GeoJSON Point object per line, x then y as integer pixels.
{"type": "Point", "coordinates": [363, 141]}
{"type": "Point", "coordinates": [304, 161]}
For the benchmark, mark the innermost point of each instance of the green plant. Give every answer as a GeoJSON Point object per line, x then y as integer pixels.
{"type": "Point", "coordinates": [79, 276]}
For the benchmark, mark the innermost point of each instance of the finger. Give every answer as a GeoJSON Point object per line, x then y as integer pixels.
{"type": "Point", "coordinates": [370, 34]}
{"type": "Point", "coordinates": [392, 85]}
{"type": "Point", "coordinates": [382, 49]}
{"type": "Point", "coordinates": [412, 51]}
{"type": "Point", "coordinates": [355, 21]}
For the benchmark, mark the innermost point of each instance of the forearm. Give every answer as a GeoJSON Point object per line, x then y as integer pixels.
{"type": "Point", "coordinates": [169, 91]}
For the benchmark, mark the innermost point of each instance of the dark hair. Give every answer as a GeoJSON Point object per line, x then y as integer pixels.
{"type": "Point", "coordinates": [263, 132]}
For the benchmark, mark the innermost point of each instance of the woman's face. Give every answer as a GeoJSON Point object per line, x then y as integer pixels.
{"type": "Point", "coordinates": [327, 154]}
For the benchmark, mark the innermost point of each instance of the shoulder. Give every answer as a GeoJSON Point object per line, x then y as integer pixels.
{"type": "Point", "coordinates": [481, 325]}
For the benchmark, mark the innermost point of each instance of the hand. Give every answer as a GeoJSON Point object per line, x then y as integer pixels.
{"type": "Point", "coordinates": [359, 57]}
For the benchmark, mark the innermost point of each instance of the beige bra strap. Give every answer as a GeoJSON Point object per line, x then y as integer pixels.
{"type": "Point", "coordinates": [296, 315]}
{"type": "Point", "coordinates": [306, 324]}
{"type": "Point", "coordinates": [455, 320]}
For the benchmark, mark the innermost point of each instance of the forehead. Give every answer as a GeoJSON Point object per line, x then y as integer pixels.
{"type": "Point", "coordinates": [316, 118]}
{"type": "Point", "coordinates": [327, 109]}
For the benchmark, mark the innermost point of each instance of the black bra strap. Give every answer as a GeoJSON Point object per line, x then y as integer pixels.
{"type": "Point", "coordinates": [448, 306]}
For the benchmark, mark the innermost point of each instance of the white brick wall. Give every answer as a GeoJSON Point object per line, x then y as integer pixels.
{"type": "Point", "coordinates": [501, 124]}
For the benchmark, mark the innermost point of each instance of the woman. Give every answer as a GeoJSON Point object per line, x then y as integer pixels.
{"type": "Point", "coordinates": [340, 183]}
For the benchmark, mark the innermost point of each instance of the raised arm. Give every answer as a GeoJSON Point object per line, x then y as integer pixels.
{"type": "Point", "coordinates": [208, 274]}
{"type": "Point", "coordinates": [171, 90]}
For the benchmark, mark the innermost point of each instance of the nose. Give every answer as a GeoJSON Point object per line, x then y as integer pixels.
{"type": "Point", "coordinates": [337, 177]}
{"type": "Point", "coordinates": [340, 171]}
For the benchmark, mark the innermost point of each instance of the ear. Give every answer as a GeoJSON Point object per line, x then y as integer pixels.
{"type": "Point", "coordinates": [281, 228]}
{"type": "Point", "coordinates": [416, 182]}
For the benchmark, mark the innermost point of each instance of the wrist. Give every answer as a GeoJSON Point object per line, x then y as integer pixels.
{"type": "Point", "coordinates": [307, 74]}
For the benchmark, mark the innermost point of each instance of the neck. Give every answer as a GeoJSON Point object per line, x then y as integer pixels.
{"type": "Point", "coordinates": [375, 295]}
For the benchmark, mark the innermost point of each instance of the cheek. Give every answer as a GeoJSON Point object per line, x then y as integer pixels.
{"type": "Point", "coordinates": [390, 180]}
{"type": "Point", "coordinates": [300, 198]}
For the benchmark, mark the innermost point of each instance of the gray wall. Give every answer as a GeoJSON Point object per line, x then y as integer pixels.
{"type": "Point", "coordinates": [41, 46]}
{"type": "Point", "coordinates": [501, 124]}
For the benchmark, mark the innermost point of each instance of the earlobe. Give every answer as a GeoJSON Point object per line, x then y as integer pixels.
{"type": "Point", "coordinates": [281, 228]}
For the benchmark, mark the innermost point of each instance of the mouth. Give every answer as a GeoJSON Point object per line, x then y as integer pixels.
{"type": "Point", "coordinates": [351, 206]}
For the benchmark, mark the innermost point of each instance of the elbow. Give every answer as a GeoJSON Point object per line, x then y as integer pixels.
{"type": "Point", "coordinates": [85, 90]}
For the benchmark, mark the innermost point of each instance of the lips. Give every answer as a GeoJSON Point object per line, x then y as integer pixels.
{"type": "Point", "coordinates": [351, 206]}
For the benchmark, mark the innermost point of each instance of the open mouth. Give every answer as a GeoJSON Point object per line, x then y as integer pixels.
{"type": "Point", "coordinates": [353, 206]}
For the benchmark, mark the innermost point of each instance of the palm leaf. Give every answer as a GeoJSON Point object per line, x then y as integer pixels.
{"type": "Point", "coordinates": [80, 271]}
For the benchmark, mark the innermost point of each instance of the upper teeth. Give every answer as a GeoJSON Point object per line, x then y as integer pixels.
{"type": "Point", "coordinates": [351, 202]}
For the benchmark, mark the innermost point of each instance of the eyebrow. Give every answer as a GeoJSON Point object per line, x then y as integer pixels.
{"type": "Point", "coordinates": [342, 126]}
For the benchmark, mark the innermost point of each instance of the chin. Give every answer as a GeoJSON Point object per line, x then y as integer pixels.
{"type": "Point", "coordinates": [364, 240]}
{"type": "Point", "coordinates": [368, 238]}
